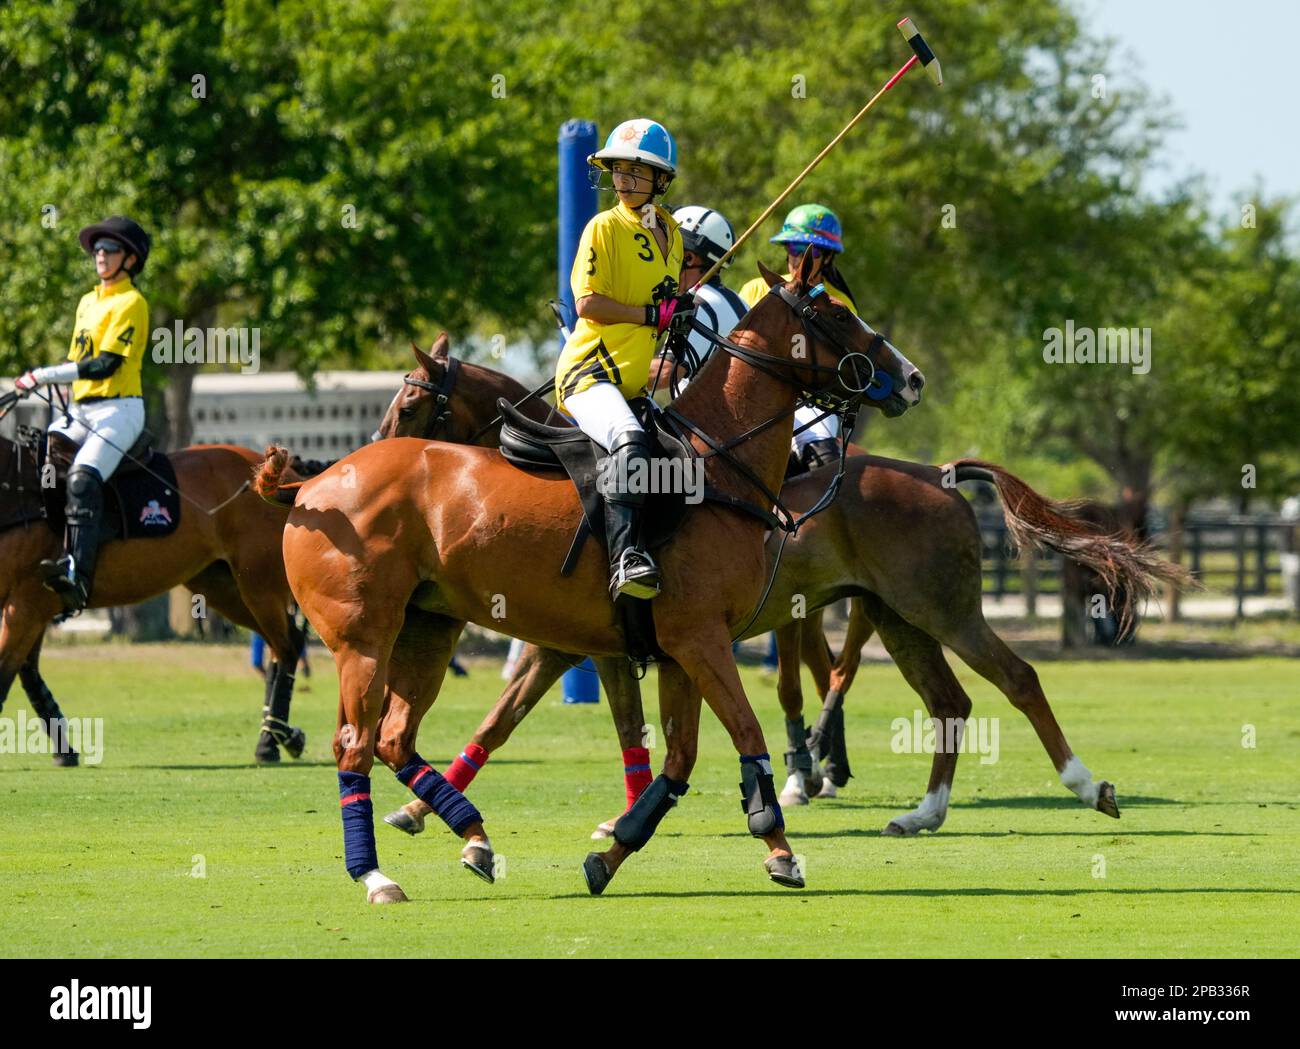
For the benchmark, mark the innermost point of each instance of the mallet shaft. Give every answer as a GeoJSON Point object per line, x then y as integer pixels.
{"type": "Point", "coordinates": [708, 276]}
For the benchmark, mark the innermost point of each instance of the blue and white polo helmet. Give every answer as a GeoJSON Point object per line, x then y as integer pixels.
{"type": "Point", "coordinates": [641, 140]}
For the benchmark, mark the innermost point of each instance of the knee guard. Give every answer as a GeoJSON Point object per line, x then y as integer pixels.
{"type": "Point", "coordinates": [637, 825]}
{"type": "Point", "coordinates": [758, 796]}
{"type": "Point", "coordinates": [629, 448]}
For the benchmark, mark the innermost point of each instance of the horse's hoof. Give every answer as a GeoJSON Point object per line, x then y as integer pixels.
{"type": "Point", "coordinates": [477, 858]}
{"type": "Point", "coordinates": [1106, 800]}
{"type": "Point", "coordinates": [828, 790]}
{"type": "Point", "coordinates": [596, 873]}
{"type": "Point", "coordinates": [814, 782]}
{"type": "Point", "coordinates": [295, 743]}
{"type": "Point", "coordinates": [267, 752]}
{"type": "Point", "coordinates": [403, 820]}
{"type": "Point", "coordinates": [390, 893]}
{"type": "Point", "coordinates": [605, 830]}
{"type": "Point", "coordinates": [784, 870]}
{"type": "Point", "coordinates": [68, 760]}
{"type": "Point", "coordinates": [896, 830]}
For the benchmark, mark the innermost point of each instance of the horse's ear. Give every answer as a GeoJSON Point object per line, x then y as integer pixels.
{"type": "Point", "coordinates": [810, 268]}
{"type": "Point", "coordinates": [426, 362]}
{"type": "Point", "coordinates": [442, 347]}
{"type": "Point", "coordinates": [768, 275]}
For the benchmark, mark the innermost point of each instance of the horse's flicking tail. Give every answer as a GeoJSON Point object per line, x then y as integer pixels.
{"type": "Point", "coordinates": [269, 482]}
{"type": "Point", "coordinates": [1129, 568]}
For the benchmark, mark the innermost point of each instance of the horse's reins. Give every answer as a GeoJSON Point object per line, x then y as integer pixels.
{"type": "Point", "coordinates": [777, 367]}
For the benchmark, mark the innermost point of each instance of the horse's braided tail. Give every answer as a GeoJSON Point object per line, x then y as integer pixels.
{"type": "Point", "coordinates": [1129, 568]}
{"type": "Point", "coordinates": [268, 481]}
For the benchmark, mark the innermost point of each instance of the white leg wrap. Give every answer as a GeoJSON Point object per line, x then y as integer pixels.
{"type": "Point", "coordinates": [1077, 778]}
{"type": "Point", "coordinates": [376, 879]}
{"type": "Point", "coordinates": [929, 815]}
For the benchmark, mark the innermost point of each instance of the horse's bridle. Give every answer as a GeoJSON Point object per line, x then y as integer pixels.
{"type": "Point", "coordinates": [442, 396]}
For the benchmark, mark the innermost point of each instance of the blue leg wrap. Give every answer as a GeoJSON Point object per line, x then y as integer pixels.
{"type": "Point", "coordinates": [358, 824]}
{"type": "Point", "coordinates": [449, 804]}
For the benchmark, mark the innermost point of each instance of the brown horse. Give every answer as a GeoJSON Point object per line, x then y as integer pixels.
{"type": "Point", "coordinates": [449, 399]}
{"type": "Point", "coordinates": [930, 567]}
{"type": "Point", "coordinates": [226, 548]}
{"type": "Point", "coordinates": [394, 548]}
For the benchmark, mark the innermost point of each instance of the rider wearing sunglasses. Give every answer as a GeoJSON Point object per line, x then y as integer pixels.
{"type": "Point", "coordinates": [815, 226]}
{"type": "Point", "coordinates": [625, 286]}
{"type": "Point", "coordinates": [106, 414]}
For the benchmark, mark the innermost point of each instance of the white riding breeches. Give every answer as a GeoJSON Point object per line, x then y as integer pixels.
{"type": "Point", "coordinates": [818, 431]}
{"type": "Point", "coordinates": [601, 413]}
{"type": "Point", "coordinates": [105, 430]}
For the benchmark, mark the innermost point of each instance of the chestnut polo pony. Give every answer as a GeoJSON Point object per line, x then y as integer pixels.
{"type": "Point", "coordinates": [393, 549]}
{"type": "Point", "coordinates": [898, 537]}
{"type": "Point", "coordinates": [226, 548]}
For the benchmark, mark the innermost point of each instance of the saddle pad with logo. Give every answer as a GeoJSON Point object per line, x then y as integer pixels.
{"type": "Point", "coordinates": [150, 505]}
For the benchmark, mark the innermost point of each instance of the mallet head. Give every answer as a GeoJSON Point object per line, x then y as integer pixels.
{"type": "Point", "coordinates": [913, 36]}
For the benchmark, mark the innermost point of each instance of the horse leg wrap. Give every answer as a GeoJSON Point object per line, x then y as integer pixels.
{"type": "Point", "coordinates": [637, 825]}
{"type": "Point", "coordinates": [820, 735]}
{"type": "Point", "coordinates": [279, 693]}
{"type": "Point", "coordinates": [463, 770]}
{"type": "Point", "coordinates": [797, 758]}
{"type": "Point", "coordinates": [758, 796]}
{"type": "Point", "coordinates": [358, 824]}
{"type": "Point", "coordinates": [837, 755]}
{"type": "Point", "coordinates": [448, 804]}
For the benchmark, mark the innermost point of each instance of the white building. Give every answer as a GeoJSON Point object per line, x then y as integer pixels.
{"type": "Point", "coordinates": [335, 418]}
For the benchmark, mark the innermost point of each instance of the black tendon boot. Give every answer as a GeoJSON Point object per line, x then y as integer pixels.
{"type": "Point", "coordinates": [276, 729]}
{"type": "Point", "coordinates": [632, 571]}
{"type": "Point", "coordinates": [73, 576]}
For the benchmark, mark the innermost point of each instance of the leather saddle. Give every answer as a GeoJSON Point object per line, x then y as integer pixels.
{"type": "Point", "coordinates": [676, 475]}
{"type": "Point", "coordinates": [536, 446]}
{"type": "Point", "coordinates": [141, 500]}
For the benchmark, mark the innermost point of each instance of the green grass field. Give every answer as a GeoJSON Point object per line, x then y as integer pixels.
{"type": "Point", "coordinates": [100, 861]}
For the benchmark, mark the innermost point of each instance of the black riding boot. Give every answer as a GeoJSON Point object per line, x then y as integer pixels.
{"type": "Point", "coordinates": [632, 571]}
{"type": "Point", "coordinates": [73, 576]}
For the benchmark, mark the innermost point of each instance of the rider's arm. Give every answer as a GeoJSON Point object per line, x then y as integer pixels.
{"type": "Point", "coordinates": [604, 310]}
{"type": "Point", "coordinates": [100, 367]}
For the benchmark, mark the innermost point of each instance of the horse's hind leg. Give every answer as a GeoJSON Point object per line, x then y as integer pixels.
{"type": "Point", "coordinates": [679, 716]}
{"type": "Point", "coordinates": [47, 709]}
{"type": "Point", "coordinates": [985, 653]}
{"type": "Point", "coordinates": [920, 659]}
{"type": "Point", "coordinates": [828, 738]}
{"type": "Point", "coordinates": [623, 691]}
{"type": "Point", "coordinates": [266, 612]}
{"type": "Point", "coordinates": [416, 669]}
{"type": "Point", "coordinates": [800, 778]}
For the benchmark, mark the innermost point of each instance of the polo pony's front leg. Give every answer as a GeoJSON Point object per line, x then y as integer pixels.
{"type": "Point", "coordinates": [707, 658]}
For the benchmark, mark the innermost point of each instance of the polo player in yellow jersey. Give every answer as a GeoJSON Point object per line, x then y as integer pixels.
{"type": "Point", "coordinates": [625, 286]}
{"type": "Point", "coordinates": [815, 226]}
{"type": "Point", "coordinates": [106, 415]}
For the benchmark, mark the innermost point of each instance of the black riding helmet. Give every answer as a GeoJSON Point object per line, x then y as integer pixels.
{"type": "Point", "coordinates": [127, 232]}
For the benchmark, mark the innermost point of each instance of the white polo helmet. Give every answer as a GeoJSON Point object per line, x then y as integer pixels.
{"type": "Point", "coordinates": [705, 231]}
{"type": "Point", "coordinates": [642, 140]}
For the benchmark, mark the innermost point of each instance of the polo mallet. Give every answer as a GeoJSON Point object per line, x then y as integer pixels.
{"type": "Point", "coordinates": [921, 53]}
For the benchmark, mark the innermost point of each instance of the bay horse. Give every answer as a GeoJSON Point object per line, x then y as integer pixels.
{"type": "Point", "coordinates": [226, 548]}
{"type": "Point", "coordinates": [394, 548]}
{"type": "Point", "coordinates": [905, 546]}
